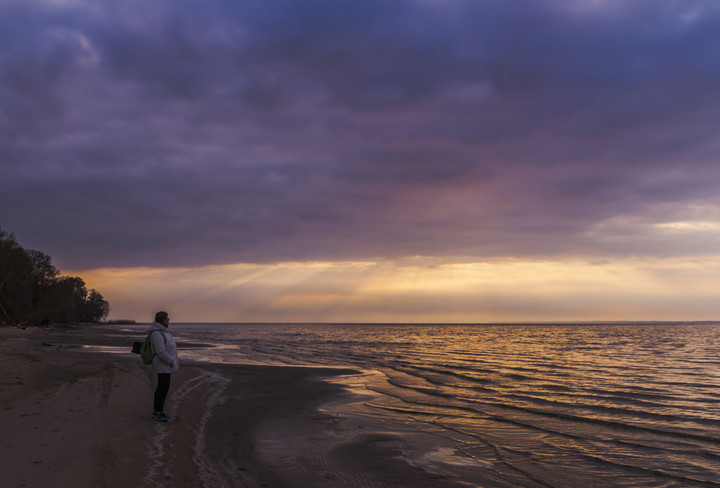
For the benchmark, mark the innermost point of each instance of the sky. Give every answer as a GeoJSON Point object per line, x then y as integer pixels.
{"type": "Point", "coordinates": [369, 161]}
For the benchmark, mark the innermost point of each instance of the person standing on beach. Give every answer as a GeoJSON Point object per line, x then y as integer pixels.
{"type": "Point", "coordinates": [165, 362]}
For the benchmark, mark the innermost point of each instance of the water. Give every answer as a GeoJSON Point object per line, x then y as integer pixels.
{"type": "Point", "coordinates": [539, 405]}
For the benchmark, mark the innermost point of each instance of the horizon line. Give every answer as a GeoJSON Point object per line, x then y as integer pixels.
{"type": "Point", "coordinates": [556, 322]}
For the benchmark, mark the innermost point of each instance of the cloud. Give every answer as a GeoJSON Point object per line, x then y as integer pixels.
{"type": "Point", "coordinates": [217, 132]}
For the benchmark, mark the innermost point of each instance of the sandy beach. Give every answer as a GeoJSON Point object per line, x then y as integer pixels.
{"type": "Point", "coordinates": [72, 418]}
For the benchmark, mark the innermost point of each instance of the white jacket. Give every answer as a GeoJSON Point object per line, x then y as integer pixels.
{"type": "Point", "coordinates": [166, 358]}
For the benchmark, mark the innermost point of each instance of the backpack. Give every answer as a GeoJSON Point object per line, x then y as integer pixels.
{"type": "Point", "coordinates": [145, 349]}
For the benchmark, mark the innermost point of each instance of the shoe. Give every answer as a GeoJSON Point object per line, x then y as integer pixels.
{"type": "Point", "coordinates": [160, 416]}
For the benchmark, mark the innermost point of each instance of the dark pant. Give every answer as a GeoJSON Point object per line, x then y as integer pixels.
{"type": "Point", "coordinates": [163, 386]}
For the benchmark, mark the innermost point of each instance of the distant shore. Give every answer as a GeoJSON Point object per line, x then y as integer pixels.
{"type": "Point", "coordinates": [73, 418]}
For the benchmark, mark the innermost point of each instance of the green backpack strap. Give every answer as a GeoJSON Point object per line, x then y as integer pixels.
{"type": "Point", "coordinates": [162, 334]}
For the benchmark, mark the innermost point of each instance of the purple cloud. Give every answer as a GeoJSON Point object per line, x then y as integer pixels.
{"type": "Point", "coordinates": [226, 131]}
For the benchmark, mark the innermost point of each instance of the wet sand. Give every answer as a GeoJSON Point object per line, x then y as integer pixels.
{"type": "Point", "coordinates": [72, 418]}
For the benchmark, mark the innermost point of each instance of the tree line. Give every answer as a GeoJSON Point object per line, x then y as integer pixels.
{"type": "Point", "coordinates": [31, 290]}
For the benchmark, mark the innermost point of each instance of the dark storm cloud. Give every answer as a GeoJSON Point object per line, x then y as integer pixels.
{"type": "Point", "coordinates": [187, 132]}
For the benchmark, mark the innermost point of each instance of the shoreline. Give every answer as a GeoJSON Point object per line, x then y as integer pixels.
{"type": "Point", "coordinates": [80, 418]}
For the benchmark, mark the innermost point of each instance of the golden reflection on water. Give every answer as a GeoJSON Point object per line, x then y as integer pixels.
{"type": "Point", "coordinates": [617, 402]}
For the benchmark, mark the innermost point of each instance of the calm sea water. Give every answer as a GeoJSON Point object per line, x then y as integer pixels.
{"type": "Point", "coordinates": [539, 405]}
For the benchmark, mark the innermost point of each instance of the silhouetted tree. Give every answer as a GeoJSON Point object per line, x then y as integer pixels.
{"type": "Point", "coordinates": [15, 280]}
{"type": "Point", "coordinates": [69, 295]}
{"type": "Point", "coordinates": [44, 276]}
{"type": "Point", "coordinates": [31, 291]}
{"type": "Point", "coordinates": [44, 272]}
{"type": "Point", "coordinates": [96, 308]}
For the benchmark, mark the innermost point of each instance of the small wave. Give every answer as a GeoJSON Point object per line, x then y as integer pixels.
{"type": "Point", "coordinates": [656, 472]}
{"type": "Point", "coordinates": [447, 456]}
{"type": "Point", "coordinates": [615, 423]}
{"type": "Point", "coordinates": [419, 389]}
{"type": "Point", "coordinates": [613, 408]}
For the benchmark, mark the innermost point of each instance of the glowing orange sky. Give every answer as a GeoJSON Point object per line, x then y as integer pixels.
{"type": "Point", "coordinates": [415, 291]}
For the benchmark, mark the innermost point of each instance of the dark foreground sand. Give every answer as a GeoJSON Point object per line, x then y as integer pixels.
{"type": "Point", "coordinates": [82, 419]}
